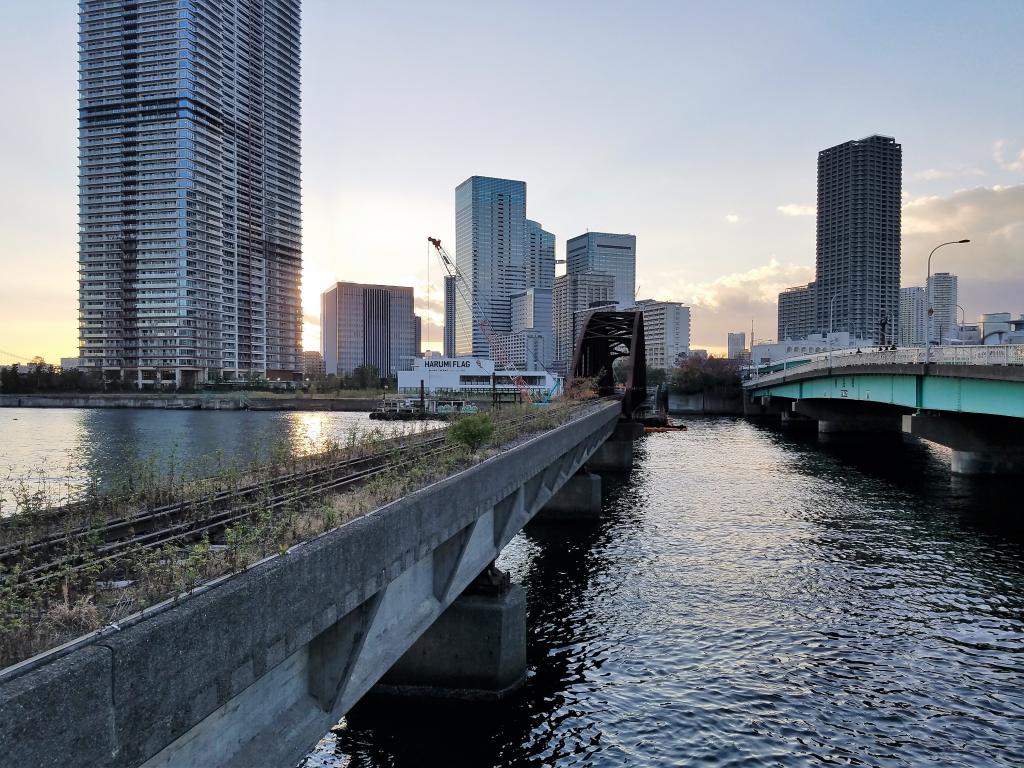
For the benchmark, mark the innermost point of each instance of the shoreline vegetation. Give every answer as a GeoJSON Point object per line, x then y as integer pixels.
{"type": "Point", "coordinates": [63, 575]}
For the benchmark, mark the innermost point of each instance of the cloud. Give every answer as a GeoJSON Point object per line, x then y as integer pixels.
{"type": "Point", "coordinates": [999, 150]}
{"type": "Point", "coordinates": [796, 209]}
{"type": "Point", "coordinates": [730, 302]}
{"type": "Point", "coordinates": [991, 266]}
{"type": "Point", "coordinates": [933, 174]}
{"type": "Point", "coordinates": [732, 218]}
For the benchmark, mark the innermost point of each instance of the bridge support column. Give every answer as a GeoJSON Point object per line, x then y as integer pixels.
{"type": "Point", "coordinates": [578, 499]}
{"type": "Point", "coordinates": [794, 421]}
{"type": "Point", "coordinates": [476, 649]}
{"type": "Point", "coordinates": [764, 407]}
{"type": "Point", "coordinates": [616, 453]}
{"type": "Point", "coordinates": [982, 445]}
{"type": "Point", "coordinates": [838, 420]}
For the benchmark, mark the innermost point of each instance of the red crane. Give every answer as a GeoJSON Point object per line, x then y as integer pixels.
{"type": "Point", "coordinates": [493, 340]}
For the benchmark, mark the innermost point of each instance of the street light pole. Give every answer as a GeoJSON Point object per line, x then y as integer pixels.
{"type": "Point", "coordinates": [931, 311]}
{"type": "Point", "coordinates": [831, 307]}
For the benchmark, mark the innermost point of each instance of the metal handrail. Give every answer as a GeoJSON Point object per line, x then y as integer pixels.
{"type": "Point", "coordinates": [961, 354]}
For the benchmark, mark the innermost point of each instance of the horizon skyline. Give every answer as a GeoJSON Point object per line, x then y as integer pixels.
{"type": "Point", "coordinates": [719, 229]}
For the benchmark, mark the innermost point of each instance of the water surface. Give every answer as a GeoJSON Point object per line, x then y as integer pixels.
{"type": "Point", "coordinates": [753, 599]}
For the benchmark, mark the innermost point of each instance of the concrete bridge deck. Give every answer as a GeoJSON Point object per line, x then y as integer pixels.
{"type": "Point", "coordinates": [970, 400]}
{"type": "Point", "coordinates": [255, 668]}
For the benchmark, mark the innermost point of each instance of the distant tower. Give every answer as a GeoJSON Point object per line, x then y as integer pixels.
{"type": "Point", "coordinates": [942, 298]}
{"type": "Point", "coordinates": [858, 236]}
{"type": "Point", "coordinates": [368, 325]}
{"type": "Point", "coordinates": [490, 238]}
{"type": "Point", "coordinates": [609, 254]}
{"type": "Point", "coordinates": [449, 316]}
{"type": "Point", "coordinates": [539, 256]}
{"type": "Point", "coordinates": [912, 323]}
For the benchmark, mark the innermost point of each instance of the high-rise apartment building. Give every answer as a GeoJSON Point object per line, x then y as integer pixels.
{"type": "Point", "coordinates": [449, 316]}
{"type": "Point", "coordinates": [796, 312]}
{"type": "Point", "coordinates": [609, 254]}
{"type": "Point", "coordinates": [490, 240]}
{"type": "Point", "coordinates": [858, 238]}
{"type": "Point", "coordinates": [539, 256]}
{"type": "Point", "coordinates": [367, 325]}
{"type": "Point", "coordinates": [913, 314]}
{"type": "Point", "coordinates": [666, 331]}
{"type": "Point", "coordinates": [574, 294]}
{"type": "Point", "coordinates": [737, 345]}
{"type": "Point", "coordinates": [942, 299]}
{"type": "Point", "coordinates": [189, 192]}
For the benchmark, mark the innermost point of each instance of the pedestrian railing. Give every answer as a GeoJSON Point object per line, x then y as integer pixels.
{"type": "Point", "coordinates": [1004, 354]}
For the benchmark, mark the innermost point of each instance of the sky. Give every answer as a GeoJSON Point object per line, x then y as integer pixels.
{"type": "Point", "coordinates": [694, 126]}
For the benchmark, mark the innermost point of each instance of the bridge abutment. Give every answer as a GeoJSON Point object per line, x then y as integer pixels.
{"type": "Point", "coordinates": [616, 453]}
{"type": "Point", "coordinates": [838, 421]}
{"type": "Point", "coordinates": [476, 650]}
{"type": "Point", "coordinates": [981, 445]}
{"type": "Point", "coordinates": [578, 499]}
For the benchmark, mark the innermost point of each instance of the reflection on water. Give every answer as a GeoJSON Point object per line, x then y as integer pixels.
{"type": "Point", "coordinates": [752, 598]}
{"type": "Point", "coordinates": [65, 447]}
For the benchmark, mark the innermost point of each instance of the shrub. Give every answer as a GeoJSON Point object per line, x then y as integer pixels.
{"type": "Point", "coordinates": [472, 430]}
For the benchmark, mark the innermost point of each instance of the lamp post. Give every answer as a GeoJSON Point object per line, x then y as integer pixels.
{"type": "Point", "coordinates": [831, 307]}
{"type": "Point", "coordinates": [931, 311]}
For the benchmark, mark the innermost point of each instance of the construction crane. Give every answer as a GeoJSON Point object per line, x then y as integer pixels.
{"type": "Point", "coordinates": [493, 342]}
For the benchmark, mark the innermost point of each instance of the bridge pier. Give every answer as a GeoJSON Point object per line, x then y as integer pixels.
{"type": "Point", "coordinates": [836, 421]}
{"type": "Point", "coordinates": [795, 421]}
{"type": "Point", "coordinates": [578, 499]}
{"type": "Point", "coordinates": [764, 407]}
{"type": "Point", "coordinates": [476, 650]}
{"type": "Point", "coordinates": [981, 445]}
{"type": "Point", "coordinates": [616, 453]}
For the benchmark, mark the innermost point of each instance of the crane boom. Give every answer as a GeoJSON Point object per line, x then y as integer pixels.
{"type": "Point", "coordinates": [493, 342]}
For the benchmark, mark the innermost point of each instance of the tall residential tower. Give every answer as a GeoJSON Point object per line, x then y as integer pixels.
{"type": "Point", "coordinates": [858, 238]}
{"type": "Point", "coordinates": [189, 192]}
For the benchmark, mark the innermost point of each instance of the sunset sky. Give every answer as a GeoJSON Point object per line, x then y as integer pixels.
{"type": "Point", "coordinates": [694, 126]}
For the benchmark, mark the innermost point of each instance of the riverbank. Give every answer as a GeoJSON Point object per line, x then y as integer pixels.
{"type": "Point", "coordinates": [210, 402]}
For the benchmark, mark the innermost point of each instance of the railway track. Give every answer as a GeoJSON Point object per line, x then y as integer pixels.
{"type": "Point", "coordinates": [148, 519]}
{"type": "Point", "coordinates": [99, 549]}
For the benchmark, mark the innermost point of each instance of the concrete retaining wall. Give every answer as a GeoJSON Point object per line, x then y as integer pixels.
{"type": "Point", "coordinates": [253, 671]}
{"type": "Point", "coordinates": [183, 402]}
{"type": "Point", "coordinates": [701, 403]}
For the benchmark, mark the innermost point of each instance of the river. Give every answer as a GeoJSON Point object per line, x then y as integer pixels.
{"type": "Point", "coordinates": [753, 599]}
{"type": "Point", "coordinates": [61, 449]}
{"type": "Point", "coordinates": [749, 598]}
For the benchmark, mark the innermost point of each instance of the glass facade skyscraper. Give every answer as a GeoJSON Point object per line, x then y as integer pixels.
{"type": "Point", "coordinates": [539, 256]}
{"type": "Point", "coordinates": [490, 229]}
{"type": "Point", "coordinates": [189, 189]}
{"type": "Point", "coordinates": [609, 254]}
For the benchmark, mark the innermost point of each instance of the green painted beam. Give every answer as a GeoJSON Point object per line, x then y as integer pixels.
{"type": "Point", "coordinates": [932, 393]}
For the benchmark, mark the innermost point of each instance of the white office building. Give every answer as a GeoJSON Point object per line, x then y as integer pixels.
{"type": "Point", "coordinates": [666, 331]}
{"type": "Point", "coordinates": [462, 376]}
{"type": "Point", "coordinates": [913, 317]}
{"type": "Point", "coordinates": [942, 299]}
{"type": "Point", "coordinates": [532, 313]}
{"type": "Point", "coordinates": [539, 256]}
{"type": "Point", "coordinates": [737, 345]}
